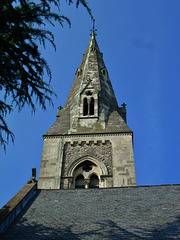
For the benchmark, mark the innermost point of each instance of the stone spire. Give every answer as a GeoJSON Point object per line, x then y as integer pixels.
{"type": "Point", "coordinates": [90, 144]}
{"type": "Point", "coordinates": [91, 81]}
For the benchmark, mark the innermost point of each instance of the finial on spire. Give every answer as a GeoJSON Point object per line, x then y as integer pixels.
{"type": "Point", "coordinates": [93, 30]}
{"type": "Point", "coordinates": [93, 23]}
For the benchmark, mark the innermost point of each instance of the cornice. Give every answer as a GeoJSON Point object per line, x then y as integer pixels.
{"type": "Point", "coordinates": [87, 135]}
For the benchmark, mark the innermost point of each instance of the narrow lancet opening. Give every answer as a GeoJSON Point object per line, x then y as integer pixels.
{"type": "Point", "coordinates": [85, 107]}
{"type": "Point", "coordinates": [79, 182]}
{"type": "Point", "coordinates": [92, 106]}
{"type": "Point", "coordinates": [94, 181]}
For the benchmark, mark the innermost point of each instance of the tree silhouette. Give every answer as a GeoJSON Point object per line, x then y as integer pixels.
{"type": "Point", "coordinates": [23, 29]}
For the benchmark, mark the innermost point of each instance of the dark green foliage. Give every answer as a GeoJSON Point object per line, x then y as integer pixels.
{"type": "Point", "coordinates": [22, 68]}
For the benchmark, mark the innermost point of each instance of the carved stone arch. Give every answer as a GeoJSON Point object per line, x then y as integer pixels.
{"type": "Point", "coordinates": [91, 174]}
{"type": "Point", "coordinates": [74, 165]}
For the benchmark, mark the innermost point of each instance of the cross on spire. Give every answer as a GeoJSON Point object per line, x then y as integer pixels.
{"type": "Point", "coordinates": [124, 105]}
{"type": "Point", "coordinates": [93, 30]}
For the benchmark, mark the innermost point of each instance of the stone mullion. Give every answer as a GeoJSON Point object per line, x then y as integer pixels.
{"type": "Point", "coordinates": [89, 101]}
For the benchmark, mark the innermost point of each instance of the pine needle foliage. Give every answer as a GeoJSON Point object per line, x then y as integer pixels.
{"type": "Point", "coordinates": [23, 28]}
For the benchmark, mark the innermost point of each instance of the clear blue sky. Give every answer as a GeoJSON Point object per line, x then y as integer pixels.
{"type": "Point", "coordinates": [140, 41]}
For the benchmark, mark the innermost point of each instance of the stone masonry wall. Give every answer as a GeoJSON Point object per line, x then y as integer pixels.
{"type": "Point", "coordinates": [114, 150]}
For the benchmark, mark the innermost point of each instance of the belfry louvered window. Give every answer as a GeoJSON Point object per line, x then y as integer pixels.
{"type": "Point", "coordinates": [88, 106]}
{"type": "Point", "coordinates": [92, 106]}
{"type": "Point", "coordinates": [85, 107]}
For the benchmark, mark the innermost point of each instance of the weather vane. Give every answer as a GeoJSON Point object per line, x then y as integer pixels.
{"type": "Point", "coordinates": [93, 30]}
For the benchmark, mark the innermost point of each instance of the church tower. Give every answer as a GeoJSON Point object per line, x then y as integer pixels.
{"type": "Point", "coordinates": [90, 144]}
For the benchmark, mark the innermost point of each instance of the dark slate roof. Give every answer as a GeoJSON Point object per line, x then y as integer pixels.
{"type": "Point", "coordinates": [117, 213]}
{"type": "Point", "coordinates": [94, 71]}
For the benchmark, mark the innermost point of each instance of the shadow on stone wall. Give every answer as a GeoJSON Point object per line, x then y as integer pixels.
{"type": "Point", "coordinates": [26, 230]}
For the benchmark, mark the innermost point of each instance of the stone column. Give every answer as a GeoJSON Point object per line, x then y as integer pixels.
{"type": "Point", "coordinates": [86, 182]}
{"type": "Point", "coordinates": [70, 180]}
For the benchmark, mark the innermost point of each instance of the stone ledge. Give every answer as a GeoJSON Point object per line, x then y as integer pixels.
{"type": "Point", "coordinates": [12, 208]}
{"type": "Point", "coordinates": [98, 134]}
{"type": "Point", "coordinates": [113, 188]}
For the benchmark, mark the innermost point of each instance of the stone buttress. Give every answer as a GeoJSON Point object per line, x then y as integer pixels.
{"type": "Point", "coordinates": [90, 144]}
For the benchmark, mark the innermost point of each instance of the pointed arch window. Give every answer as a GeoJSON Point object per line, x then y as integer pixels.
{"type": "Point", "coordinates": [79, 182]}
{"type": "Point", "coordinates": [92, 106]}
{"type": "Point", "coordinates": [88, 106]}
{"type": "Point", "coordinates": [94, 181]}
{"type": "Point", "coordinates": [85, 107]}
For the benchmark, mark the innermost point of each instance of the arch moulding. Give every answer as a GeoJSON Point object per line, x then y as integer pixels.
{"type": "Point", "coordinates": [99, 164]}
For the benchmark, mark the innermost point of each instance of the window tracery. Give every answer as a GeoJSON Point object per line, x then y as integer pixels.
{"type": "Point", "coordinates": [88, 106]}
{"type": "Point", "coordinates": [86, 175]}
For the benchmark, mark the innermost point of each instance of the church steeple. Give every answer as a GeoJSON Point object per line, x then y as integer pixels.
{"type": "Point", "coordinates": [91, 103]}
{"type": "Point", "coordinates": [90, 144]}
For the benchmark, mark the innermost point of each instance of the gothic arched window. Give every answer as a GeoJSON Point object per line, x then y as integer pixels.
{"type": "Point", "coordinates": [94, 181]}
{"type": "Point", "coordinates": [85, 107]}
{"type": "Point", "coordinates": [92, 106]}
{"type": "Point", "coordinates": [79, 182]}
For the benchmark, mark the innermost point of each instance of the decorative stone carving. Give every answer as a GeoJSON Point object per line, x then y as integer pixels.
{"type": "Point", "coordinates": [100, 151]}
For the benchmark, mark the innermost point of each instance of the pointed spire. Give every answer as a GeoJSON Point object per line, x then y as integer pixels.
{"type": "Point", "coordinates": [91, 74]}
